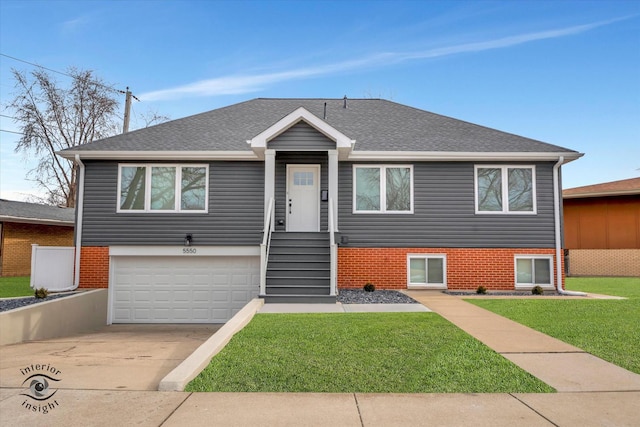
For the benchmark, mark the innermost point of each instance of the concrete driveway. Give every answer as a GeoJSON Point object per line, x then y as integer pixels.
{"type": "Point", "coordinates": [118, 357]}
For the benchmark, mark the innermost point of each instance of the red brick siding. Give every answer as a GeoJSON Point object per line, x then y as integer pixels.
{"type": "Point", "coordinates": [16, 244]}
{"type": "Point", "coordinates": [385, 267]}
{"type": "Point", "coordinates": [466, 268]}
{"type": "Point", "coordinates": [94, 267]}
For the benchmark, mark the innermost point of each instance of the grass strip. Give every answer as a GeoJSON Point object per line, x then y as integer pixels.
{"type": "Point", "coordinates": [15, 287]}
{"type": "Point", "coordinates": [360, 352]}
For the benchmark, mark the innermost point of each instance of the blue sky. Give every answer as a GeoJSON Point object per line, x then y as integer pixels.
{"type": "Point", "coordinates": [564, 72]}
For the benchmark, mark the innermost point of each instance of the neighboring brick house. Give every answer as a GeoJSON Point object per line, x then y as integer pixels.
{"type": "Point", "coordinates": [23, 224]}
{"type": "Point", "coordinates": [292, 199]}
{"type": "Point", "coordinates": [602, 229]}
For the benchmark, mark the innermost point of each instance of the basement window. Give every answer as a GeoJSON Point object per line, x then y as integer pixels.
{"type": "Point", "coordinates": [534, 270]}
{"type": "Point", "coordinates": [426, 271]}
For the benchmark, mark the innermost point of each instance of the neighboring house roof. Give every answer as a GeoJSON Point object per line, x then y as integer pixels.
{"type": "Point", "coordinates": [614, 188]}
{"type": "Point", "coordinates": [33, 213]}
{"type": "Point", "coordinates": [375, 125]}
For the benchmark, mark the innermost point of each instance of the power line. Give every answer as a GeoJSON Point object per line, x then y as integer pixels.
{"type": "Point", "coordinates": [35, 65]}
{"type": "Point", "coordinates": [58, 72]}
{"type": "Point", "coordinates": [10, 131]}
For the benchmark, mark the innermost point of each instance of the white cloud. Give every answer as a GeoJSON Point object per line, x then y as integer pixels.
{"type": "Point", "coordinates": [237, 84]}
{"type": "Point", "coordinates": [73, 25]}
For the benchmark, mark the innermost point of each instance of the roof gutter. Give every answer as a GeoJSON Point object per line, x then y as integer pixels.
{"type": "Point", "coordinates": [22, 220]}
{"type": "Point", "coordinates": [158, 155]}
{"type": "Point", "coordinates": [462, 156]}
{"type": "Point", "coordinates": [601, 194]}
{"type": "Point", "coordinates": [346, 153]}
{"type": "Point", "coordinates": [558, 236]}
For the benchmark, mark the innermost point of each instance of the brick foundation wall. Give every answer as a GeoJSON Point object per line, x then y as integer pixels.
{"type": "Point", "coordinates": [604, 262]}
{"type": "Point", "coordinates": [466, 268]}
{"type": "Point", "coordinates": [94, 267]}
{"type": "Point", "coordinates": [17, 240]}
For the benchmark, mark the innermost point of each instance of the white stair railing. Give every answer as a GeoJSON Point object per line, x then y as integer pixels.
{"type": "Point", "coordinates": [333, 251]}
{"type": "Point", "coordinates": [265, 245]}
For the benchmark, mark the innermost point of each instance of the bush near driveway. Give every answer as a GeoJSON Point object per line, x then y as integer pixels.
{"type": "Point", "coordinates": [15, 287]}
{"type": "Point", "coordinates": [360, 352]}
{"type": "Point", "coordinates": [608, 329]}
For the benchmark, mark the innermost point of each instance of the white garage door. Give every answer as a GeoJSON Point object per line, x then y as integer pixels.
{"type": "Point", "coordinates": [182, 289]}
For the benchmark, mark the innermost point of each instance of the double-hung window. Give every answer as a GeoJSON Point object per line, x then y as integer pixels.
{"type": "Point", "coordinates": [532, 270]}
{"type": "Point", "coordinates": [163, 188]}
{"type": "Point", "coordinates": [426, 271]}
{"type": "Point", "coordinates": [383, 189]}
{"type": "Point", "coordinates": [505, 189]}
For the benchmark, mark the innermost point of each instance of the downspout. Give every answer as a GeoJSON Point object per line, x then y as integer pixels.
{"type": "Point", "coordinates": [80, 209]}
{"type": "Point", "coordinates": [558, 237]}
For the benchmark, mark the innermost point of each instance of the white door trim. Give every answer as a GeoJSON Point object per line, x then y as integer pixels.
{"type": "Point", "coordinates": [318, 171]}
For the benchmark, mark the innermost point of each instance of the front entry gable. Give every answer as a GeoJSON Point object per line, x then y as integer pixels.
{"type": "Point", "coordinates": [301, 137]}
{"type": "Point", "coordinates": [297, 120]}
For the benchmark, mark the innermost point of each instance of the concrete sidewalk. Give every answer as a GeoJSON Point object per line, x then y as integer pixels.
{"type": "Point", "coordinates": [168, 409]}
{"type": "Point", "coordinates": [564, 367]}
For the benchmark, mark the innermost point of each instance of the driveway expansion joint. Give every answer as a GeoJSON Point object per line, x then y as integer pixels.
{"type": "Point", "coordinates": [533, 409]}
{"type": "Point", "coordinates": [175, 409]}
{"type": "Point", "coordinates": [355, 397]}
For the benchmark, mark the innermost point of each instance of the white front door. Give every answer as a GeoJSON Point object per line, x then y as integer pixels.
{"type": "Point", "coordinates": [303, 198]}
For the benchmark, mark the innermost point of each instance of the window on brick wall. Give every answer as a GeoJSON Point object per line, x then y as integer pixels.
{"type": "Point", "coordinates": [163, 188]}
{"type": "Point", "coordinates": [426, 271]}
{"type": "Point", "coordinates": [532, 270]}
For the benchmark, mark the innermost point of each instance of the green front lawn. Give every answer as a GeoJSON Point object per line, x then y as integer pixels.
{"type": "Point", "coordinates": [360, 352]}
{"type": "Point", "coordinates": [15, 287]}
{"type": "Point", "coordinates": [609, 329]}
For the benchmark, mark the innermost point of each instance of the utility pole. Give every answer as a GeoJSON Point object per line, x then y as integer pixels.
{"type": "Point", "coordinates": [127, 108]}
{"type": "Point", "coordinates": [127, 111]}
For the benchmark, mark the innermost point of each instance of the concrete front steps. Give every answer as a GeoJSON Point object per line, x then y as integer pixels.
{"type": "Point", "coordinates": [299, 268]}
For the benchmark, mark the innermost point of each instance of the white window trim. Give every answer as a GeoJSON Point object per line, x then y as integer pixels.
{"type": "Point", "coordinates": [427, 285]}
{"type": "Point", "coordinates": [178, 190]}
{"type": "Point", "coordinates": [505, 189]}
{"type": "Point", "coordinates": [383, 189]}
{"type": "Point", "coordinates": [531, 285]}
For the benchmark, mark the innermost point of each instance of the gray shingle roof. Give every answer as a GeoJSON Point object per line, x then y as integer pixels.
{"type": "Point", "coordinates": [35, 213]}
{"type": "Point", "coordinates": [375, 124]}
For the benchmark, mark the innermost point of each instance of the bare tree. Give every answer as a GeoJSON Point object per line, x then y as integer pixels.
{"type": "Point", "coordinates": [52, 118]}
{"type": "Point", "coordinates": [152, 117]}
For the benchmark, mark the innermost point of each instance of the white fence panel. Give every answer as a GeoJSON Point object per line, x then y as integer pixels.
{"type": "Point", "coordinates": [52, 267]}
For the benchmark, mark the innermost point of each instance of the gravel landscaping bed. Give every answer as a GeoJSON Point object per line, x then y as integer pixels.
{"type": "Point", "coordinates": [504, 293]}
{"type": "Point", "coordinates": [356, 296]}
{"type": "Point", "coordinates": [12, 303]}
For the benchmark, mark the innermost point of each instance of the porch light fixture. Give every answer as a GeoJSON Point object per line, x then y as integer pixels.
{"type": "Point", "coordinates": [188, 239]}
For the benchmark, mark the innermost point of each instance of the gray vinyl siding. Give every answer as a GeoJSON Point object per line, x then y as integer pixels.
{"type": "Point", "coordinates": [301, 137]}
{"type": "Point", "coordinates": [283, 158]}
{"type": "Point", "coordinates": [444, 213]}
{"type": "Point", "coordinates": [444, 209]}
{"type": "Point", "coordinates": [236, 206]}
